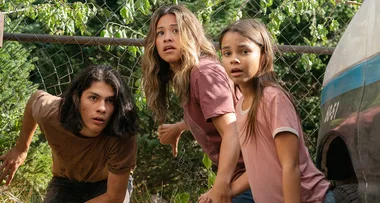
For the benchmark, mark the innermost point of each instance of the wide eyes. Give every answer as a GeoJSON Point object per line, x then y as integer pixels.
{"type": "Point", "coordinates": [245, 52]}
{"type": "Point", "coordinates": [242, 52]}
{"type": "Point", "coordinates": [226, 53]}
{"type": "Point", "coordinates": [110, 100]}
{"type": "Point", "coordinates": [95, 98]}
{"type": "Point", "coordinates": [161, 32]}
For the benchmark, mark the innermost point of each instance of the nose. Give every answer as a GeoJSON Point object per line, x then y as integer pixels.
{"type": "Point", "coordinates": [101, 107]}
{"type": "Point", "coordinates": [168, 37]}
{"type": "Point", "coordinates": [234, 59]}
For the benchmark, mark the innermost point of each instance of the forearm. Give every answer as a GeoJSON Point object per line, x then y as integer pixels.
{"type": "Point", "coordinates": [240, 185]}
{"type": "Point", "coordinates": [102, 198]}
{"type": "Point", "coordinates": [105, 198]}
{"type": "Point", "coordinates": [116, 188]}
{"type": "Point", "coordinates": [182, 126]}
{"type": "Point", "coordinates": [291, 184]}
{"type": "Point", "coordinates": [28, 127]}
{"type": "Point", "coordinates": [228, 156]}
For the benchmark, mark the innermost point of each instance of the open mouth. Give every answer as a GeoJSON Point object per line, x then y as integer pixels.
{"type": "Point", "coordinates": [236, 70]}
{"type": "Point", "coordinates": [99, 119]}
{"type": "Point", "coordinates": [169, 48]}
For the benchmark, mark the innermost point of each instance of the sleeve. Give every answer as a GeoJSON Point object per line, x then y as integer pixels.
{"type": "Point", "coordinates": [281, 114]}
{"type": "Point", "coordinates": [41, 100]}
{"type": "Point", "coordinates": [123, 154]}
{"type": "Point", "coordinates": [215, 95]}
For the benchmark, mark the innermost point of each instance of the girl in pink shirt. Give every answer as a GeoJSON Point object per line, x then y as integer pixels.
{"type": "Point", "coordinates": [279, 167]}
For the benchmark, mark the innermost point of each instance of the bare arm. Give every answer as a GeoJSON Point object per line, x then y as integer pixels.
{"type": "Point", "coordinates": [116, 189]}
{"type": "Point", "coordinates": [17, 155]}
{"type": "Point", "coordinates": [287, 152]}
{"type": "Point", "coordinates": [228, 156]}
{"type": "Point", "coordinates": [182, 126]}
{"type": "Point", "coordinates": [240, 185]}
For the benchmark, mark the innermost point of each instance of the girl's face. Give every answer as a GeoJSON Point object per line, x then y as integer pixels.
{"type": "Point", "coordinates": [168, 39]}
{"type": "Point", "coordinates": [240, 57]}
{"type": "Point", "coordinates": [96, 108]}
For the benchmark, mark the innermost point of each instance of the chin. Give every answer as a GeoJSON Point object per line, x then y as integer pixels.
{"type": "Point", "coordinates": [96, 130]}
{"type": "Point", "coordinates": [172, 59]}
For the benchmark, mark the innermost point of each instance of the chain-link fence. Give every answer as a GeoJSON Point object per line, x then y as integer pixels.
{"type": "Point", "coordinates": [46, 42]}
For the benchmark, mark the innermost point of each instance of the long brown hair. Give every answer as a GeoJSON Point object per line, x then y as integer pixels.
{"type": "Point", "coordinates": [265, 76]}
{"type": "Point", "coordinates": [157, 74]}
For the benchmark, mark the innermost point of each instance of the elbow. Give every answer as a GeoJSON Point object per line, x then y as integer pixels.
{"type": "Point", "coordinates": [116, 198]}
{"type": "Point", "coordinates": [293, 168]}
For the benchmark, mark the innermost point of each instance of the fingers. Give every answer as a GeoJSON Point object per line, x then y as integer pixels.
{"type": "Point", "coordinates": [10, 177]}
{"type": "Point", "coordinates": [3, 166]}
{"type": "Point", "coordinates": [162, 139]}
{"type": "Point", "coordinates": [175, 150]}
{"type": "Point", "coordinates": [204, 199]}
{"type": "Point", "coordinates": [3, 173]}
{"type": "Point", "coordinates": [159, 129]}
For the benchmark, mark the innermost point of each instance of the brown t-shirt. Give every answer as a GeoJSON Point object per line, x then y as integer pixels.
{"type": "Point", "coordinates": [211, 95]}
{"type": "Point", "coordinates": [84, 159]}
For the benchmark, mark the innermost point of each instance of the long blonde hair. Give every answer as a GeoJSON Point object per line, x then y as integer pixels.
{"type": "Point", "coordinates": [157, 74]}
{"type": "Point", "coordinates": [257, 33]}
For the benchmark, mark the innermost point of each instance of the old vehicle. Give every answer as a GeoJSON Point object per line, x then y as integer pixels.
{"type": "Point", "coordinates": [348, 151]}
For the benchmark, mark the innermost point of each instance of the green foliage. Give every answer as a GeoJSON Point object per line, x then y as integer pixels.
{"type": "Point", "coordinates": [31, 179]}
{"type": "Point", "coordinates": [57, 16]}
{"type": "Point", "coordinates": [210, 173]}
{"type": "Point", "coordinates": [180, 179]}
{"type": "Point", "coordinates": [14, 85]}
{"type": "Point", "coordinates": [182, 197]}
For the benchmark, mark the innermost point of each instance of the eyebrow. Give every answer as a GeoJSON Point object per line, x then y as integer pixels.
{"type": "Point", "coordinates": [225, 47]}
{"type": "Point", "coordinates": [171, 25]}
{"type": "Point", "coordinates": [96, 94]}
{"type": "Point", "coordinates": [239, 46]}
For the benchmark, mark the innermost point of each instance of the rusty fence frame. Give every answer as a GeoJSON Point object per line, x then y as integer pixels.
{"type": "Point", "coordinates": [85, 40]}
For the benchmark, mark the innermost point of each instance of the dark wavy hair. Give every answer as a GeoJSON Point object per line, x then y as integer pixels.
{"type": "Point", "coordinates": [124, 119]}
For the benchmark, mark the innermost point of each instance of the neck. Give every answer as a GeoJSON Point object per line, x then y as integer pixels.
{"type": "Point", "coordinates": [247, 91]}
{"type": "Point", "coordinates": [175, 67]}
{"type": "Point", "coordinates": [248, 94]}
{"type": "Point", "coordinates": [87, 133]}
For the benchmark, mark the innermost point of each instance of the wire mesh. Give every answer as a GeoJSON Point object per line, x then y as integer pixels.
{"type": "Point", "coordinates": [58, 38]}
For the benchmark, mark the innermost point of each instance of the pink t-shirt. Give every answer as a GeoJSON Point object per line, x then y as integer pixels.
{"type": "Point", "coordinates": [276, 114]}
{"type": "Point", "coordinates": [211, 95]}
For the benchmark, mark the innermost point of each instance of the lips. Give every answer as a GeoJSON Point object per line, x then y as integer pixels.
{"type": "Point", "coordinates": [99, 120]}
{"type": "Point", "coordinates": [236, 70]}
{"type": "Point", "coordinates": [166, 48]}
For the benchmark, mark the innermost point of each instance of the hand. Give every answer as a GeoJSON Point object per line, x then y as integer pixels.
{"type": "Point", "coordinates": [11, 161]}
{"type": "Point", "coordinates": [169, 134]}
{"type": "Point", "coordinates": [217, 194]}
{"type": "Point", "coordinates": [204, 198]}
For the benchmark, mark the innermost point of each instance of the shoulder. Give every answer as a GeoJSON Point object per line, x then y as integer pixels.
{"type": "Point", "coordinates": [42, 95]}
{"type": "Point", "coordinates": [271, 93]}
{"type": "Point", "coordinates": [44, 104]}
{"type": "Point", "coordinates": [208, 65]}
{"type": "Point", "coordinates": [277, 99]}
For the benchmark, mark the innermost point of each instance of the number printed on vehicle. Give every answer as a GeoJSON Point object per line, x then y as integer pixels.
{"type": "Point", "coordinates": [331, 112]}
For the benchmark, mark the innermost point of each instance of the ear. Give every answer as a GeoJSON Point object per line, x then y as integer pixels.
{"type": "Point", "coordinates": [262, 58]}
{"type": "Point", "coordinates": [76, 99]}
